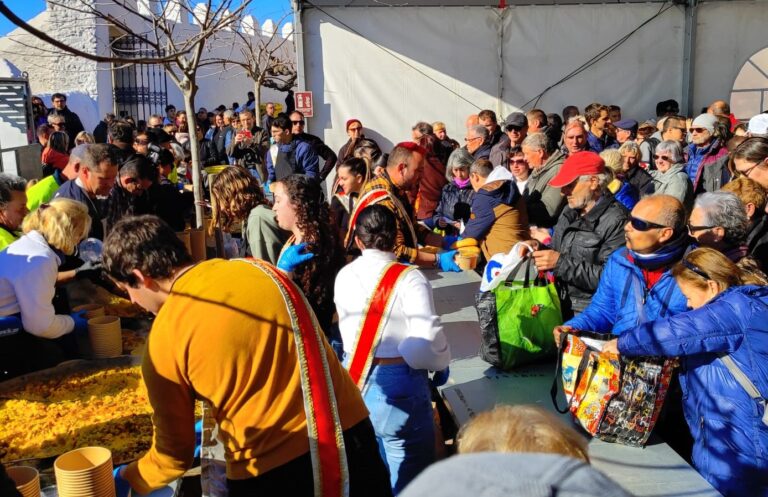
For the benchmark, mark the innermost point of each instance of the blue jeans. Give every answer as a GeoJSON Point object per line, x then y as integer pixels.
{"type": "Point", "coordinates": [401, 411]}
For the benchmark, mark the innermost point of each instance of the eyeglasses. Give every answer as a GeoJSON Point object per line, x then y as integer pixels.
{"type": "Point", "coordinates": [643, 225]}
{"type": "Point", "coordinates": [747, 171]}
{"type": "Point", "coordinates": [694, 268]}
{"type": "Point", "coordinates": [514, 128]}
{"type": "Point", "coordinates": [697, 130]}
{"type": "Point", "coordinates": [513, 162]}
{"type": "Point", "coordinates": [58, 125]}
{"type": "Point", "coordinates": [300, 122]}
{"type": "Point", "coordinates": [665, 158]}
{"type": "Point", "coordinates": [693, 229]}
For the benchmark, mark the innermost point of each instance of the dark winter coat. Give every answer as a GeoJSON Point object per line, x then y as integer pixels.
{"type": "Point", "coordinates": [584, 244]}
{"type": "Point", "coordinates": [455, 203]}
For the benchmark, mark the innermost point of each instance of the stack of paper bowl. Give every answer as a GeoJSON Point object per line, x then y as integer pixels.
{"type": "Point", "coordinates": [85, 472]}
{"type": "Point", "coordinates": [27, 480]}
{"type": "Point", "coordinates": [91, 310]}
{"type": "Point", "coordinates": [106, 337]}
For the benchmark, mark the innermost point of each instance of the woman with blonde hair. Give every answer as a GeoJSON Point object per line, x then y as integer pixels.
{"type": "Point", "coordinates": [723, 349]}
{"type": "Point", "coordinates": [84, 137]}
{"type": "Point", "coordinates": [237, 198]}
{"type": "Point", "coordinates": [521, 429]}
{"type": "Point", "coordinates": [34, 336]}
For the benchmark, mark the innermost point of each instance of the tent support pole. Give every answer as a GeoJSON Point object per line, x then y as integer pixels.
{"type": "Point", "coordinates": [500, 97]}
{"type": "Point", "coordinates": [689, 56]}
{"type": "Point", "coordinates": [298, 43]}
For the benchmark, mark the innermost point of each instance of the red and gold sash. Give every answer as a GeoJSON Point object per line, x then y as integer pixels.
{"type": "Point", "coordinates": [372, 322]}
{"type": "Point", "coordinates": [374, 197]}
{"type": "Point", "coordinates": [326, 440]}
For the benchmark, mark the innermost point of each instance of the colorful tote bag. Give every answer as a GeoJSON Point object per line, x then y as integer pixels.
{"type": "Point", "coordinates": [517, 317]}
{"type": "Point", "coordinates": [617, 399]}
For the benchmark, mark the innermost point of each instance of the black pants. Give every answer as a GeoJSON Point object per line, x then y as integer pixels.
{"type": "Point", "coordinates": [368, 477]}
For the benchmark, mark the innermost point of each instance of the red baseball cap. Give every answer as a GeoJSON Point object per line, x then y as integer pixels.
{"type": "Point", "coordinates": [577, 164]}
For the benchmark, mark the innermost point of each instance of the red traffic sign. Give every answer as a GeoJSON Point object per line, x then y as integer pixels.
{"type": "Point", "coordinates": [304, 102]}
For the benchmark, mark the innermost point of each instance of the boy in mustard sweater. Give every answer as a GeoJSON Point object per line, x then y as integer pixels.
{"type": "Point", "coordinates": [227, 332]}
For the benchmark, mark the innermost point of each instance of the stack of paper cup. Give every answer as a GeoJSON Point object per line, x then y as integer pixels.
{"type": "Point", "coordinates": [27, 480]}
{"type": "Point", "coordinates": [91, 310]}
{"type": "Point", "coordinates": [106, 336]}
{"type": "Point", "coordinates": [85, 472]}
{"type": "Point", "coordinates": [185, 239]}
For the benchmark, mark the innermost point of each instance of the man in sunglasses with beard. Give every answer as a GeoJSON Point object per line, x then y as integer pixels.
{"type": "Point", "coordinates": [636, 285]}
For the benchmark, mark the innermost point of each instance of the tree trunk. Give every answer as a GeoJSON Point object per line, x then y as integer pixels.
{"type": "Point", "coordinates": [194, 146]}
{"type": "Point", "coordinates": [257, 103]}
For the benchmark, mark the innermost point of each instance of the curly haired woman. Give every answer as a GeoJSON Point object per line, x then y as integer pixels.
{"type": "Point", "coordinates": [237, 197]}
{"type": "Point", "coordinates": [311, 255]}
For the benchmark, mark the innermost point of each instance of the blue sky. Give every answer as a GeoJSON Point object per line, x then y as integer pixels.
{"type": "Point", "coordinates": [27, 9]}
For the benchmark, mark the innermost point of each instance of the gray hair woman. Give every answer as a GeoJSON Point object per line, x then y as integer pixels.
{"type": "Point", "coordinates": [670, 177]}
{"type": "Point", "coordinates": [719, 221]}
{"type": "Point", "coordinates": [456, 197]}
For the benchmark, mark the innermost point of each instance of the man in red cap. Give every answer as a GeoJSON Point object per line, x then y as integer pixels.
{"type": "Point", "coordinates": [589, 229]}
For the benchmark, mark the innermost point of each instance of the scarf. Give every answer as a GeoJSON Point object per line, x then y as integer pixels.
{"type": "Point", "coordinates": [664, 257]}
{"type": "Point", "coordinates": [461, 183]}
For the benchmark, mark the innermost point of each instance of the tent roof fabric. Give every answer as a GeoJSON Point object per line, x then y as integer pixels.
{"type": "Point", "coordinates": [457, 3]}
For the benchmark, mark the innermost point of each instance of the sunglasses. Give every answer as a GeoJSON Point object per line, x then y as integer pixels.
{"type": "Point", "coordinates": [299, 122]}
{"type": "Point", "coordinates": [694, 268]}
{"type": "Point", "coordinates": [665, 158]}
{"type": "Point", "coordinates": [697, 130]}
{"type": "Point", "coordinates": [513, 162]}
{"type": "Point", "coordinates": [643, 225]}
{"type": "Point", "coordinates": [693, 229]}
{"type": "Point", "coordinates": [514, 128]}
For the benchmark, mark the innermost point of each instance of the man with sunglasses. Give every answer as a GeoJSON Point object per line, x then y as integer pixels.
{"type": "Point", "coordinates": [707, 155]}
{"type": "Point", "coordinates": [327, 156]}
{"type": "Point", "coordinates": [636, 284]}
{"type": "Point", "coordinates": [589, 230]}
{"type": "Point", "coordinates": [515, 129]}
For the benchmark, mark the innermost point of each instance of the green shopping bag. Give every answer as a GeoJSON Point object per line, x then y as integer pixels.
{"type": "Point", "coordinates": [517, 318]}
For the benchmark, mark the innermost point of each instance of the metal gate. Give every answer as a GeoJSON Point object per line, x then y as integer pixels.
{"type": "Point", "coordinates": [140, 90]}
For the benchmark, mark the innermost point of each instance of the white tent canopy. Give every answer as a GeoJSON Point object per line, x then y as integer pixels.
{"type": "Point", "coordinates": [391, 66]}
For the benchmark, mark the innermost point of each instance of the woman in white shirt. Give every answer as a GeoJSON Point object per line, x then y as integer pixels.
{"type": "Point", "coordinates": [406, 341]}
{"type": "Point", "coordinates": [32, 335]}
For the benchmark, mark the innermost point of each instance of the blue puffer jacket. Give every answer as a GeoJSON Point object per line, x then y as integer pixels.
{"type": "Point", "coordinates": [622, 301]}
{"type": "Point", "coordinates": [730, 441]}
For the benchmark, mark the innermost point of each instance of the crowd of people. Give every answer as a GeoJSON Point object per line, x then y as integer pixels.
{"type": "Point", "coordinates": [318, 346]}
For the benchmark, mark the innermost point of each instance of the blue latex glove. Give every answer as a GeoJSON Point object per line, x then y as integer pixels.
{"type": "Point", "coordinates": [81, 322]}
{"type": "Point", "coordinates": [198, 438]}
{"type": "Point", "coordinates": [446, 263]}
{"type": "Point", "coordinates": [293, 257]}
{"type": "Point", "coordinates": [440, 378]}
{"type": "Point", "coordinates": [122, 487]}
{"type": "Point", "coordinates": [450, 240]}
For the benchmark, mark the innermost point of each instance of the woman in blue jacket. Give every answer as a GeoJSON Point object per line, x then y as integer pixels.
{"type": "Point", "coordinates": [729, 322]}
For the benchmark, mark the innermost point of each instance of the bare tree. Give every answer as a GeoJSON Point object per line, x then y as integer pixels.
{"type": "Point", "coordinates": [155, 24]}
{"type": "Point", "coordinates": [264, 58]}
